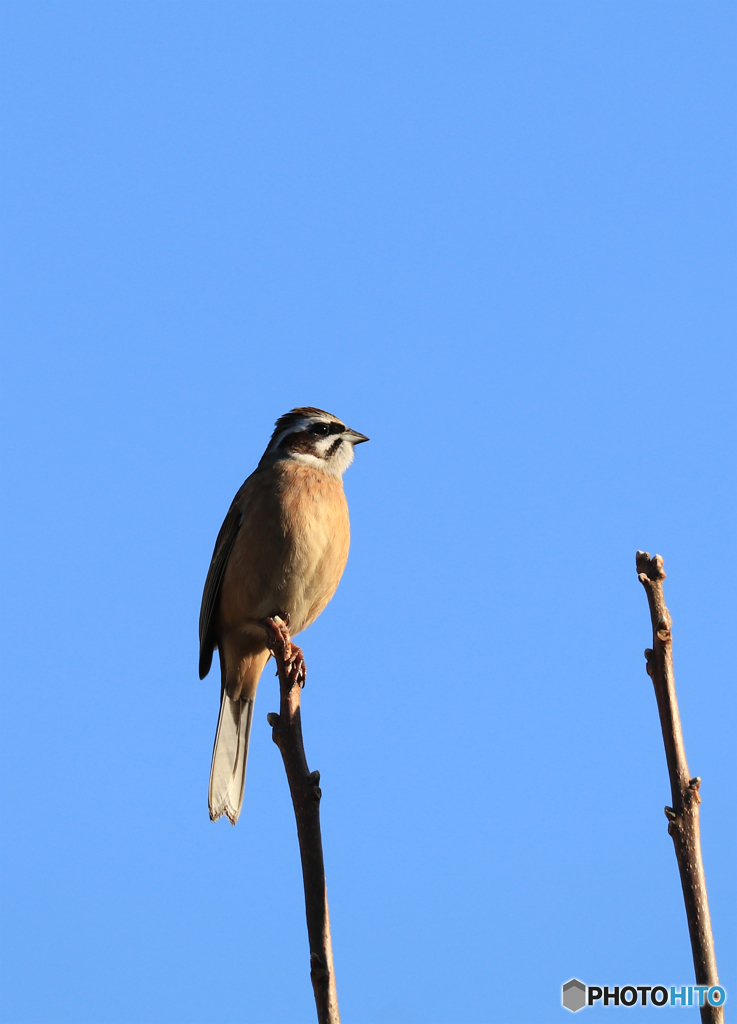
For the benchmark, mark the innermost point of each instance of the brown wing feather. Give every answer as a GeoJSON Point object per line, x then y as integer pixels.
{"type": "Point", "coordinates": [211, 594]}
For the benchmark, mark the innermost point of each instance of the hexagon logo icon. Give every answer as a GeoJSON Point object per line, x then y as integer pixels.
{"type": "Point", "coordinates": [574, 995]}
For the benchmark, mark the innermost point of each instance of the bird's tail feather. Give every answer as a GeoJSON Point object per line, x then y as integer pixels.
{"type": "Point", "coordinates": [229, 756]}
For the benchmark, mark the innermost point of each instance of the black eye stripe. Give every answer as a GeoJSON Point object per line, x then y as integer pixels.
{"type": "Point", "coordinates": [324, 429]}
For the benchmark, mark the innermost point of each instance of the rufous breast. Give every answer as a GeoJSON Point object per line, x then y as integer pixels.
{"type": "Point", "coordinates": [291, 549]}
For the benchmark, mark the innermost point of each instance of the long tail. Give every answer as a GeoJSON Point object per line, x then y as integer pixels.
{"type": "Point", "coordinates": [229, 756]}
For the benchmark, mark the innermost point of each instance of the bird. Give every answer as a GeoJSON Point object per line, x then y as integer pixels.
{"type": "Point", "coordinates": [281, 551]}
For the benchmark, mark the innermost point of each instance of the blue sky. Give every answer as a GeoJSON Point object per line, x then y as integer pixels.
{"type": "Point", "coordinates": [499, 239]}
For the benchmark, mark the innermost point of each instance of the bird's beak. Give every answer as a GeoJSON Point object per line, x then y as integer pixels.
{"type": "Point", "coordinates": [354, 437]}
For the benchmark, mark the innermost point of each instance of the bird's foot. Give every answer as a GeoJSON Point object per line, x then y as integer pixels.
{"type": "Point", "coordinates": [280, 643]}
{"type": "Point", "coordinates": [296, 667]}
{"type": "Point", "coordinates": [277, 635]}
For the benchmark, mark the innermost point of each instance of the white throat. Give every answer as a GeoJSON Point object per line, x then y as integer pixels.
{"type": "Point", "coordinates": [335, 464]}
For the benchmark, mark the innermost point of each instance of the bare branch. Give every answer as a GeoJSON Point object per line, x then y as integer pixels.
{"type": "Point", "coordinates": [305, 789]}
{"type": "Point", "coordinates": [683, 816]}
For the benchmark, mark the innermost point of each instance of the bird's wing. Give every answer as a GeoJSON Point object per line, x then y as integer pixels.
{"type": "Point", "coordinates": [211, 594]}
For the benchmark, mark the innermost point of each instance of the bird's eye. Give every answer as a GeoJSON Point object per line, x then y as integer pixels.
{"type": "Point", "coordinates": [320, 428]}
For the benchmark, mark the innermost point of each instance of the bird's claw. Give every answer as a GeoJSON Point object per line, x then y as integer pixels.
{"type": "Point", "coordinates": [296, 668]}
{"type": "Point", "coordinates": [279, 641]}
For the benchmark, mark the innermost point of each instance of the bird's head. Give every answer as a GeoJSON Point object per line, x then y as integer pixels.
{"type": "Point", "coordinates": [314, 437]}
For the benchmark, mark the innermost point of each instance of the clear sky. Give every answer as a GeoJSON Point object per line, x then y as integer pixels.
{"type": "Point", "coordinates": [498, 238]}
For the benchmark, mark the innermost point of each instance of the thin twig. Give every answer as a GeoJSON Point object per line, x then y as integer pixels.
{"type": "Point", "coordinates": [305, 789]}
{"type": "Point", "coordinates": [683, 816]}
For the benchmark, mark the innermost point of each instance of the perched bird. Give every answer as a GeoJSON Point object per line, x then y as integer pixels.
{"type": "Point", "coordinates": [281, 551]}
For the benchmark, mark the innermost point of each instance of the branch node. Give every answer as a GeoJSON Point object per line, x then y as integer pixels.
{"type": "Point", "coordinates": [692, 795]}
{"type": "Point", "coordinates": [318, 968]}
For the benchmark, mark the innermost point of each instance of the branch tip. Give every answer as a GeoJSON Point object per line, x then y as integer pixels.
{"type": "Point", "coordinates": [650, 568]}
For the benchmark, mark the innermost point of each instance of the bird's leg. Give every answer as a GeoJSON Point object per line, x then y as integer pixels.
{"type": "Point", "coordinates": [279, 642]}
